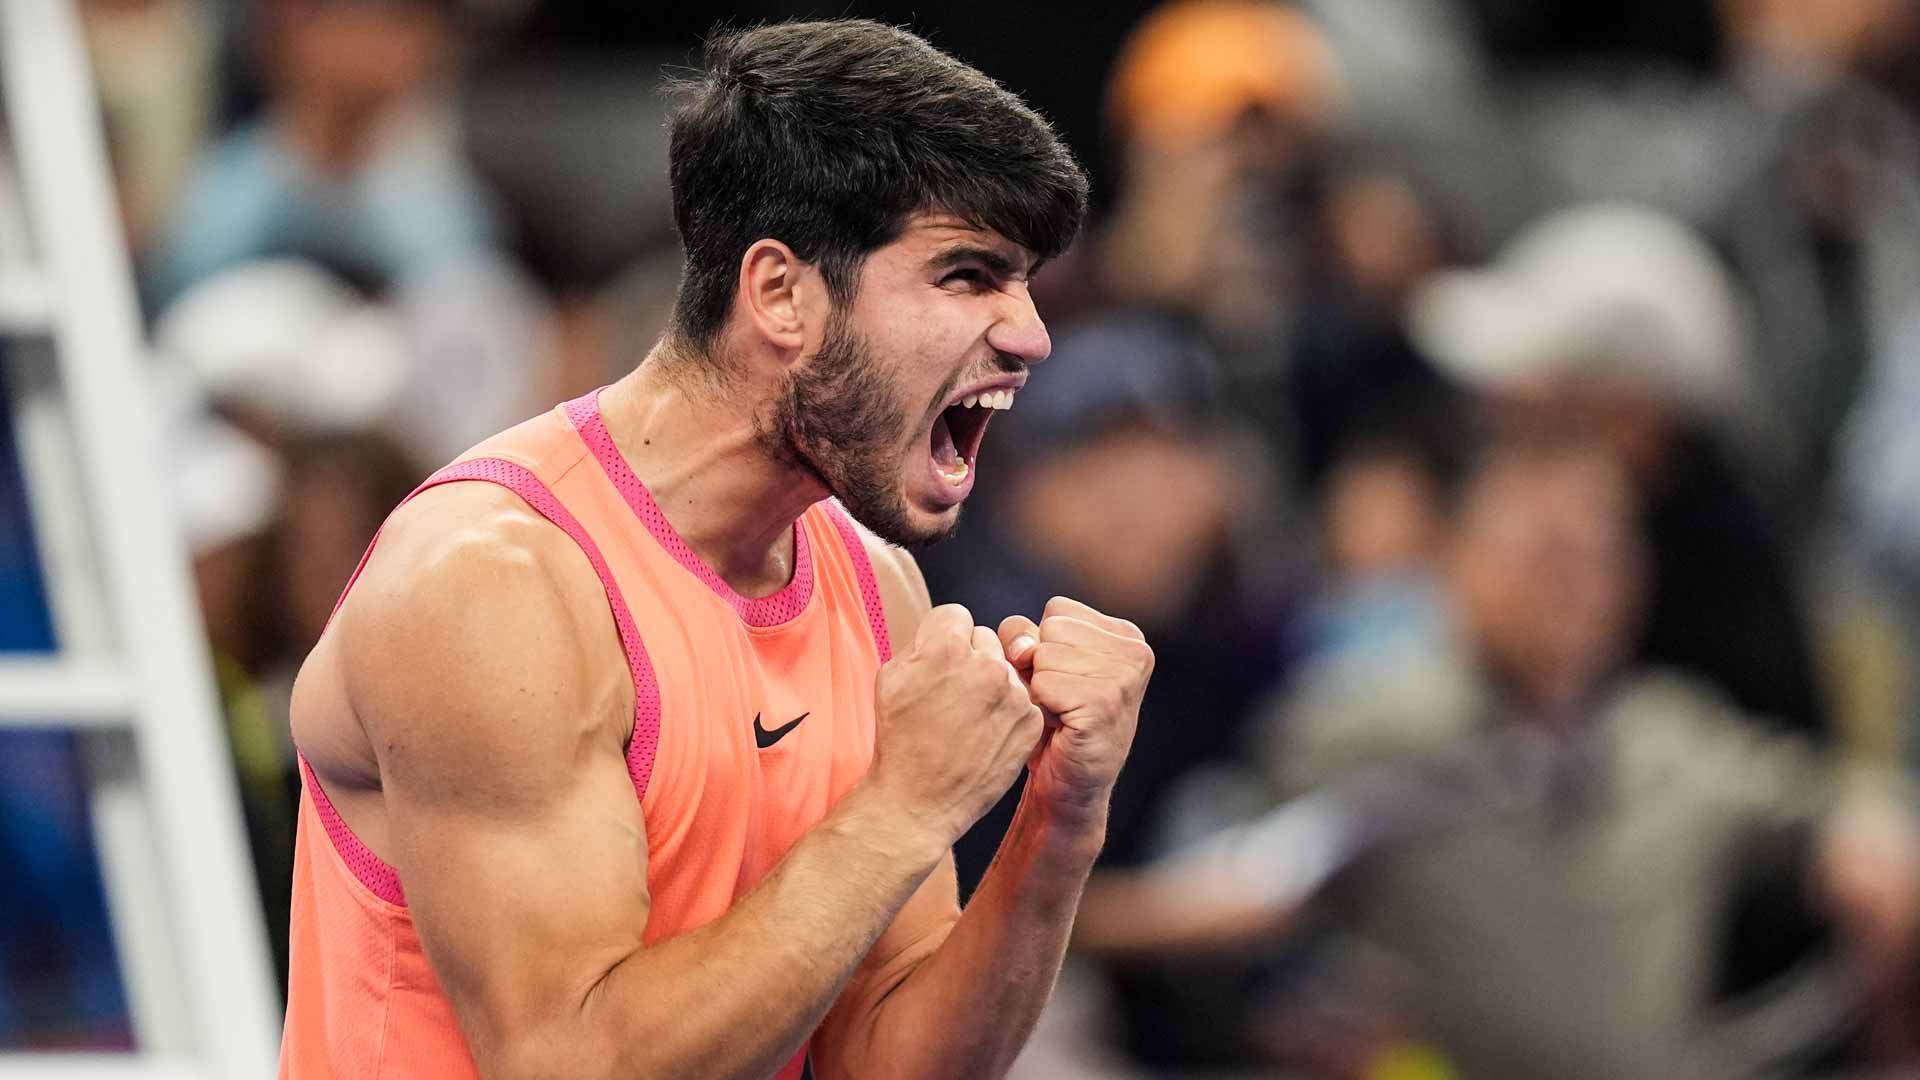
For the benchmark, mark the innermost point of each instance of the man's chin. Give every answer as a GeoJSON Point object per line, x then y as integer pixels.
{"type": "Point", "coordinates": [938, 530]}
{"type": "Point", "coordinates": [905, 525]}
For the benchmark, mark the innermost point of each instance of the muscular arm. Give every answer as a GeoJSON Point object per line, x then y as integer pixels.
{"type": "Point", "coordinates": [483, 666]}
{"type": "Point", "coordinates": [961, 1001]}
{"type": "Point", "coordinates": [947, 994]}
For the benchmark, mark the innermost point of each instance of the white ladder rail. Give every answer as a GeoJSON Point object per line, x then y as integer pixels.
{"type": "Point", "coordinates": [77, 687]}
{"type": "Point", "coordinates": [167, 812]}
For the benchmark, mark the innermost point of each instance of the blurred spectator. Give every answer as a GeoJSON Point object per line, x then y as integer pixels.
{"type": "Point", "coordinates": [1217, 112]}
{"type": "Point", "coordinates": [1217, 108]}
{"type": "Point", "coordinates": [1774, 140]}
{"type": "Point", "coordinates": [1353, 367]}
{"type": "Point", "coordinates": [153, 63]}
{"type": "Point", "coordinates": [1827, 228]}
{"type": "Point", "coordinates": [288, 348]}
{"type": "Point", "coordinates": [1543, 834]}
{"type": "Point", "coordinates": [340, 488]}
{"type": "Point", "coordinates": [1610, 815]}
{"type": "Point", "coordinates": [1243, 211]}
{"type": "Point", "coordinates": [285, 347]}
{"type": "Point", "coordinates": [1828, 231]}
{"type": "Point", "coordinates": [1381, 525]}
{"type": "Point", "coordinates": [1378, 513]}
{"type": "Point", "coordinates": [354, 161]}
{"type": "Point", "coordinates": [542, 128]}
{"type": "Point", "coordinates": [478, 339]}
{"type": "Point", "coordinates": [1619, 323]}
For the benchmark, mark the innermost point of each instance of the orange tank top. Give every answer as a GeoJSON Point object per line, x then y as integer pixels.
{"type": "Point", "coordinates": [715, 675]}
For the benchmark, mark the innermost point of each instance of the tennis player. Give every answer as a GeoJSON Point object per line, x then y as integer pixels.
{"type": "Point", "coordinates": [634, 748]}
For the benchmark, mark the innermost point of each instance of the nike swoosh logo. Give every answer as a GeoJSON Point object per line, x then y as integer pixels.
{"type": "Point", "coordinates": [767, 738]}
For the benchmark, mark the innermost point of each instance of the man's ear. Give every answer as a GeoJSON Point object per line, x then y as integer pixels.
{"type": "Point", "coordinates": [777, 293]}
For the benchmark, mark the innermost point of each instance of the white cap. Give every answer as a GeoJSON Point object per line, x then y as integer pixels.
{"type": "Point", "coordinates": [226, 486]}
{"type": "Point", "coordinates": [1606, 290]}
{"type": "Point", "coordinates": [286, 337]}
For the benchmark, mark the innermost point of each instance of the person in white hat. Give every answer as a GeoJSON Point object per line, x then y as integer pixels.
{"type": "Point", "coordinates": [1621, 323]}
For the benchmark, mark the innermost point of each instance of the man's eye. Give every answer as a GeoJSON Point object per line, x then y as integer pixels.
{"type": "Point", "coordinates": [970, 276]}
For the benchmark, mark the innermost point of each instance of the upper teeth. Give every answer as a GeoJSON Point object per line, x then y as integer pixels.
{"type": "Point", "coordinates": [998, 399]}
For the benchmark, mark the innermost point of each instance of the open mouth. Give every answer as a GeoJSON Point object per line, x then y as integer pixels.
{"type": "Point", "coordinates": [959, 429]}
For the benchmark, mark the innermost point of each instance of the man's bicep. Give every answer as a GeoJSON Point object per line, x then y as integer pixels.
{"type": "Point", "coordinates": [522, 913]}
{"type": "Point", "coordinates": [846, 1037]}
{"type": "Point", "coordinates": [489, 684]}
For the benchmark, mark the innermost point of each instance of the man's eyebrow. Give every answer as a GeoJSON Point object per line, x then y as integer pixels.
{"type": "Point", "coordinates": [996, 263]}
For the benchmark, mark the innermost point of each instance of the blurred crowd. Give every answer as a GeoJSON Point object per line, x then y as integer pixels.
{"type": "Point", "coordinates": [1503, 417]}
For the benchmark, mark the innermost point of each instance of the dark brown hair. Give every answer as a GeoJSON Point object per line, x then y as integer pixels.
{"type": "Point", "coordinates": [828, 136]}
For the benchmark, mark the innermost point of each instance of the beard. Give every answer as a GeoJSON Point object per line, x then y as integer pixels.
{"type": "Point", "coordinates": [839, 420]}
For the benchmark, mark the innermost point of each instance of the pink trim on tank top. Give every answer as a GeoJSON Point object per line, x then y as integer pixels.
{"type": "Point", "coordinates": [771, 610]}
{"type": "Point", "coordinates": [869, 585]}
{"type": "Point", "coordinates": [376, 874]}
{"type": "Point", "coordinates": [380, 879]}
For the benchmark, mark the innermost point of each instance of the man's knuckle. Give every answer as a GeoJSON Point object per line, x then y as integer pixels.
{"type": "Point", "coordinates": [1141, 655]}
{"type": "Point", "coordinates": [1063, 628]}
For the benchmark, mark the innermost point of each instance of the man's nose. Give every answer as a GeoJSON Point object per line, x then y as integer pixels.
{"type": "Point", "coordinates": [1019, 330]}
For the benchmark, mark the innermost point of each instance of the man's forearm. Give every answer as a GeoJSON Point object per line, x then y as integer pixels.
{"type": "Point", "coordinates": [968, 1008]}
{"type": "Point", "coordinates": [738, 997]}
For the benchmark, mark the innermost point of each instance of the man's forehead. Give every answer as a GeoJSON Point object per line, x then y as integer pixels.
{"type": "Point", "coordinates": [932, 232]}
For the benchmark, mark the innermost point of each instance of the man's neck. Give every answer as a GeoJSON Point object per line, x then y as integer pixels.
{"type": "Point", "coordinates": [696, 448]}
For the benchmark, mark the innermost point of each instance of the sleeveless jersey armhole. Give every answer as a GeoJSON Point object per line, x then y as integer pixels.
{"type": "Point", "coordinates": [376, 874]}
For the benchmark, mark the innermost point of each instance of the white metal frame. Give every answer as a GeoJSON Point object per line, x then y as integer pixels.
{"type": "Point", "coordinates": [133, 671]}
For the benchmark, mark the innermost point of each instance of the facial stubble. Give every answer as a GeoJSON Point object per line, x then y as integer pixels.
{"type": "Point", "coordinates": [840, 420]}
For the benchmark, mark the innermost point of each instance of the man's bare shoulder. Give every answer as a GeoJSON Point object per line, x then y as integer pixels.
{"type": "Point", "coordinates": [457, 543]}
{"type": "Point", "coordinates": [480, 630]}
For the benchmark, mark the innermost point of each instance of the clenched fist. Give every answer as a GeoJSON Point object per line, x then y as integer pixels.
{"type": "Point", "coordinates": [953, 724]}
{"type": "Point", "coordinates": [1087, 671]}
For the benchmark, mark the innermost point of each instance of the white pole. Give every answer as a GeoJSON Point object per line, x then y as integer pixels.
{"type": "Point", "coordinates": [208, 888]}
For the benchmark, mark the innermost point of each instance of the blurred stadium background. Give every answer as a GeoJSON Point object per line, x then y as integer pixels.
{"type": "Point", "coordinates": [1431, 370]}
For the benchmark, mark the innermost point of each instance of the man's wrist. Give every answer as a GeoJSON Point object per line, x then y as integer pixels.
{"type": "Point", "coordinates": [1067, 832]}
{"type": "Point", "coordinates": [890, 828]}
